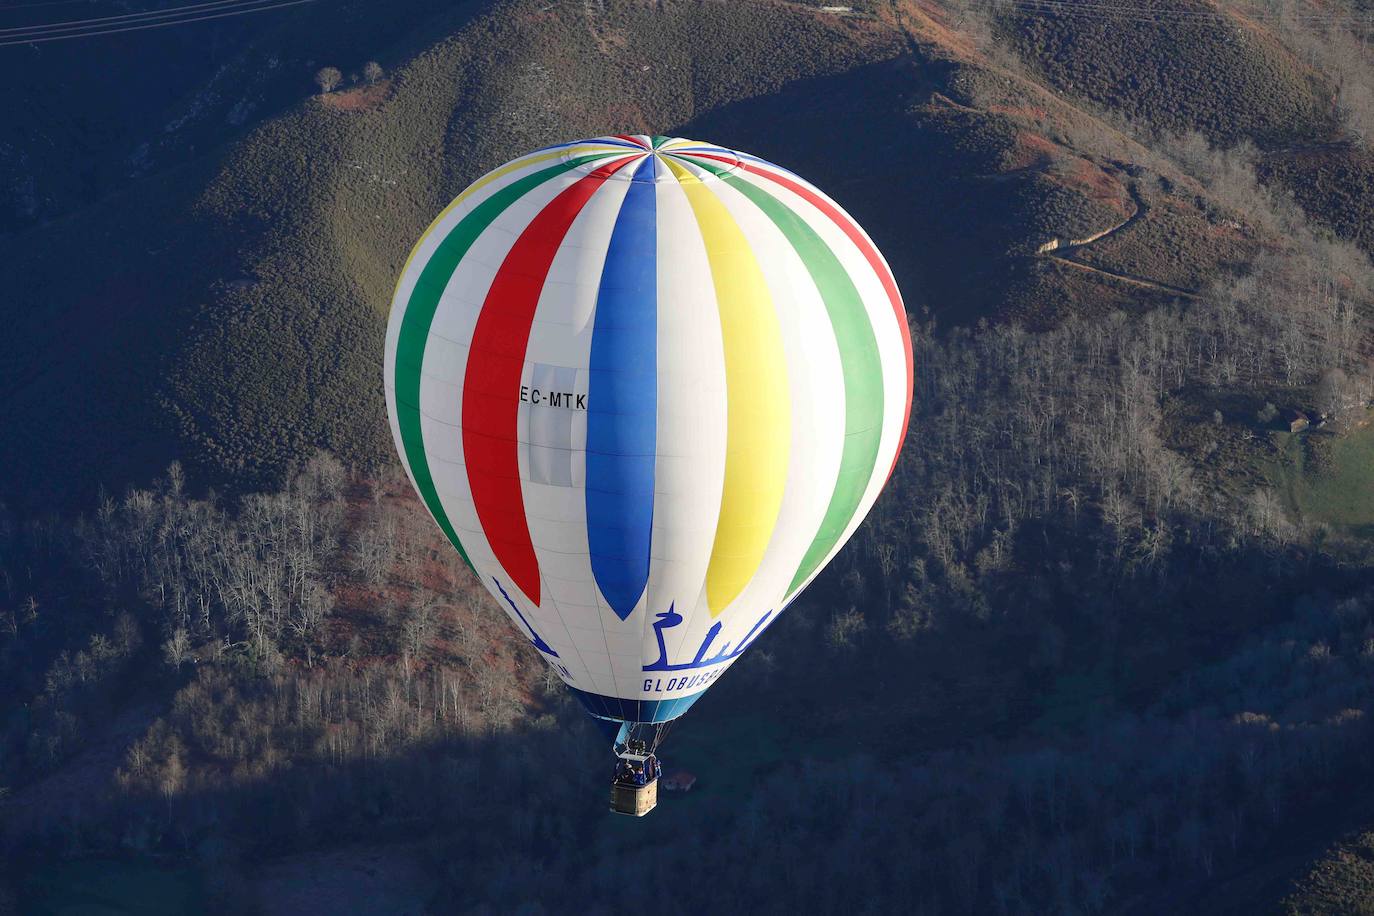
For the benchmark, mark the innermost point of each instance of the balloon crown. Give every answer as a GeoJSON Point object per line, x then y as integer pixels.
{"type": "Point", "coordinates": [651, 158]}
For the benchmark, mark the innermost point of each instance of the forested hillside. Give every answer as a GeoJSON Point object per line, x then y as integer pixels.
{"type": "Point", "coordinates": [1104, 644]}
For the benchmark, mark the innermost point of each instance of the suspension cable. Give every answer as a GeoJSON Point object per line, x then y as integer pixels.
{"type": "Point", "coordinates": [220, 9]}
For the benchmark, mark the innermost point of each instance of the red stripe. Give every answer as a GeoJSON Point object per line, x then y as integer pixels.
{"type": "Point", "coordinates": [631, 138]}
{"type": "Point", "coordinates": [491, 383]}
{"type": "Point", "coordinates": [875, 261]}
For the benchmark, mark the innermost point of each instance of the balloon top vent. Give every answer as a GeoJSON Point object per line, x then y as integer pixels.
{"type": "Point", "coordinates": [657, 159]}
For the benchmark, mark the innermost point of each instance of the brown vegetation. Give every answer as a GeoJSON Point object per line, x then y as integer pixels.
{"type": "Point", "coordinates": [361, 98]}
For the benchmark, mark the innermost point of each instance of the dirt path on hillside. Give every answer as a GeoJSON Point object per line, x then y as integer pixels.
{"type": "Point", "coordinates": [1060, 248]}
{"type": "Point", "coordinates": [1063, 251]}
{"type": "Point", "coordinates": [949, 102]}
{"type": "Point", "coordinates": [1325, 146]}
{"type": "Point", "coordinates": [1130, 279]}
{"type": "Point", "coordinates": [1056, 250]}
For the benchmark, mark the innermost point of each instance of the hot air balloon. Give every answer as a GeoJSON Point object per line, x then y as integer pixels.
{"type": "Point", "coordinates": [647, 387]}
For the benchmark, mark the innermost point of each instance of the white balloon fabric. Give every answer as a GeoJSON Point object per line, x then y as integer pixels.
{"type": "Point", "coordinates": [647, 387]}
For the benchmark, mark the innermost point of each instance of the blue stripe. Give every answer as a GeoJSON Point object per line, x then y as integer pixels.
{"type": "Point", "coordinates": [622, 402]}
{"type": "Point", "coordinates": [615, 709]}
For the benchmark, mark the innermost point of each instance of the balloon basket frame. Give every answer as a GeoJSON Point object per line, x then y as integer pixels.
{"type": "Point", "coordinates": [634, 801]}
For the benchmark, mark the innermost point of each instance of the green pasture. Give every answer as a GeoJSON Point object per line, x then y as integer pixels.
{"type": "Point", "coordinates": [1328, 478]}
{"type": "Point", "coordinates": [111, 887]}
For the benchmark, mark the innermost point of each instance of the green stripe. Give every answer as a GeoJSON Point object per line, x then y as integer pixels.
{"type": "Point", "coordinates": [419, 316]}
{"type": "Point", "coordinates": [860, 365]}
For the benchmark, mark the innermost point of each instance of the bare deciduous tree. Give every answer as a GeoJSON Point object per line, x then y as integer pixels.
{"type": "Point", "coordinates": [176, 651]}
{"type": "Point", "coordinates": [328, 79]}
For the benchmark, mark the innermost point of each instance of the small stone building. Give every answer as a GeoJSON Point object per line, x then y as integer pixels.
{"type": "Point", "coordinates": [679, 781]}
{"type": "Point", "coordinates": [1296, 420]}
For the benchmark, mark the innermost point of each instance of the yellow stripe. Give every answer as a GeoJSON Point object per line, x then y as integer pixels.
{"type": "Point", "coordinates": [758, 409]}
{"type": "Point", "coordinates": [493, 175]}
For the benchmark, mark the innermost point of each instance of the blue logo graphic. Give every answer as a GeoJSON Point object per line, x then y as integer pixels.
{"type": "Point", "coordinates": [534, 637]}
{"type": "Point", "coordinates": [671, 618]}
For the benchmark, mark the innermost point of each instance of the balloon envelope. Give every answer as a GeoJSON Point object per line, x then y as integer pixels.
{"type": "Point", "coordinates": [647, 387]}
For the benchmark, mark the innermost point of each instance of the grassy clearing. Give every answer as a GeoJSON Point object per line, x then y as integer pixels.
{"type": "Point", "coordinates": [736, 750]}
{"type": "Point", "coordinates": [109, 887]}
{"type": "Point", "coordinates": [1328, 479]}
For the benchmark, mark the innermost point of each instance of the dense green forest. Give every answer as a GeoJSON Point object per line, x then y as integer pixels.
{"type": "Point", "coordinates": [1104, 645]}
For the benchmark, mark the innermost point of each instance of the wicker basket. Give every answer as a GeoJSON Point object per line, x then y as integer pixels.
{"type": "Point", "coordinates": [635, 801]}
